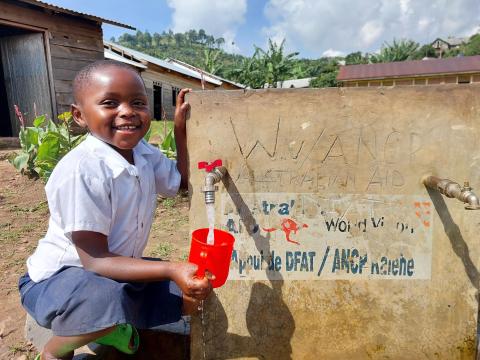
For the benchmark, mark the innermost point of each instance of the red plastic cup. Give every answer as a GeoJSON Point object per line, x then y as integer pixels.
{"type": "Point", "coordinates": [213, 258]}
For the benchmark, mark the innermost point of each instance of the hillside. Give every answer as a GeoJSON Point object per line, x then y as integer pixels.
{"type": "Point", "coordinates": [269, 66]}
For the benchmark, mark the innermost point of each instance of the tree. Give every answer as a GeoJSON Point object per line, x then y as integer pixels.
{"type": "Point", "coordinates": [356, 58]}
{"type": "Point", "coordinates": [202, 36]}
{"type": "Point", "coordinates": [211, 60]}
{"type": "Point", "coordinates": [178, 39]}
{"type": "Point", "coordinates": [249, 72]}
{"type": "Point", "coordinates": [397, 51]}
{"type": "Point", "coordinates": [426, 50]}
{"type": "Point", "coordinates": [147, 39]}
{"type": "Point", "coordinates": [472, 47]}
{"type": "Point", "coordinates": [298, 71]}
{"type": "Point", "coordinates": [276, 66]}
{"type": "Point", "coordinates": [219, 42]}
{"type": "Point", "coordinates": [328, 75]}
{"type": "Point", "coordinates": [192, 35]}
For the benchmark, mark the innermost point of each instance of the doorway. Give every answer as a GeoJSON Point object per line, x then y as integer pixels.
{"type": "Point", "coordinates": [24, 78]}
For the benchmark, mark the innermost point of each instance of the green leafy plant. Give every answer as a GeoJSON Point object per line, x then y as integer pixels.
{"type": "Point", "coordinates": [168, 146]}
{"type": "Point", "coordinates": [43, 144]}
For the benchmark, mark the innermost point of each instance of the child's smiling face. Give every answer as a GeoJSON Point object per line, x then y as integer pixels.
{"type": "Point", "coordinates": [114, 106]}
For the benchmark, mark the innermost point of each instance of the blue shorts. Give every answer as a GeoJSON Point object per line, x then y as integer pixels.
{"type": "Point", "coordinates": [74, 301]}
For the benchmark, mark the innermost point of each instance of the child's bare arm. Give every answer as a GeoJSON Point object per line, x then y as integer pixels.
{"type": "Point", "coordinates": [92, 248]}
{"type": "Point", "coordinates": [181, 136]}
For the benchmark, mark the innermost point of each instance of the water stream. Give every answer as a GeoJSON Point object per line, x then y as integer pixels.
{"type": "Point", "coordinates": [203, 331]}
{"type": "Point", "coordinates": [211, 223]}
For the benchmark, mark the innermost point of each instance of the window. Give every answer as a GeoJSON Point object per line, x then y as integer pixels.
{"type": "Point", "coordinates": [175, 92]}
{"type": "Point", "coordinates": [157, 102]}
{"type": "Point", "coordinates": [464, 79]}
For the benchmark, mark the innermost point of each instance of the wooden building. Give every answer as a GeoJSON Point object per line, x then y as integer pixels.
{"type": "Point", "coordinates": [42, 46]}
{"type": "Point", "coordinates": [455, 70]}
{"type": "Point", "coordinates": [164, 78]}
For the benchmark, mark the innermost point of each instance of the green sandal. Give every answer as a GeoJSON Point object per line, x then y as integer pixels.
{"type": "Point", "coordinates": [120, 339]}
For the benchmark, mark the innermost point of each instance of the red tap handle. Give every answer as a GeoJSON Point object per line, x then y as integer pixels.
{"type": "Point", "coordinates": [209, 167]}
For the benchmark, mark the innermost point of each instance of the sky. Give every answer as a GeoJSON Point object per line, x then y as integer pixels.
{"type": "Point", "coordinates": [314, 28]}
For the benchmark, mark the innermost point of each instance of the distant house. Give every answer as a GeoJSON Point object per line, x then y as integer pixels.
{"type": "Point", "coordinates": [164, 78]}
{"type": "Point", "coordinates": [294, 83]}
{"type": "Point", "coordinates": [455, 70]}
{"type": "Point", "coordinates": [42, 46]}
{"type": "Point", "coordinates": [441, 45]}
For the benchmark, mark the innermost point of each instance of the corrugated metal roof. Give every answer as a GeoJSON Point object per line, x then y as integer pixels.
{"type": "Point", "coordinates": [206, 74]}
{"type": "Point", "coordinates": [109, 54]}
{"type": "Point", "coordinates": [465, 64]}
{"type": "Point", "coordinates": [452, 41]}
{"type": "Point", "coordinates": [159, 62]}
{"type": "Point", "coordinates": [76, 13]}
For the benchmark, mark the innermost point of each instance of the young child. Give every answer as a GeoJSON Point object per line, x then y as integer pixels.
{"type": "Point", "coordinates": [87, 280]}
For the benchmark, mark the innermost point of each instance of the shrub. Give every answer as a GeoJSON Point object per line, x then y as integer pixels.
{"type": "Point", "coordinates": [44, 144]}
{"type": "Point", "coordinates": [168, 146]}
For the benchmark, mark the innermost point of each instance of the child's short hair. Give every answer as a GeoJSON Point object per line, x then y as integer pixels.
{"type": "Point", "coordinates": [84, 76]}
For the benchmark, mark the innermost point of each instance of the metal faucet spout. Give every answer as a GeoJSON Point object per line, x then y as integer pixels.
{"type": "Point", "coordinates": [211, 179]}
{"type": "Point", "coordinates": [452, 189]}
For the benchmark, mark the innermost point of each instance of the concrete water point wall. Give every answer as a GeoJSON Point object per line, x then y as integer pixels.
{"type": "Point", "coordinates": [341, 252]}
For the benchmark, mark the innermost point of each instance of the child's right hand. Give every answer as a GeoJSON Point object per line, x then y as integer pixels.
{"type": "Point", "coordinates": [184, 275]}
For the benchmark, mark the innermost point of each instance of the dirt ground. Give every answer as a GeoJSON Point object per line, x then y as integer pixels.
{"type": "Point", "coordinates": [23, 221]}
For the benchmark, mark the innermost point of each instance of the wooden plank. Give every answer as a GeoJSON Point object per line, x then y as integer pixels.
{"type": "Point", "coordinates": [160, 74]}
{"type": "Point", "coordinates": [62, 108]}
{"type": "Point", "coordinates": [64, 74]}
{"type": "Point", "coordinates": [65, 99]}
{"type": "Point", "coordinates": [69, 64]}
{"type": "Point", "coordinates": [72, 53]}
{"type": "Point", "coordinates": [63, 86]}
{"type": "Point", "coordinates": [24, 14]}
{"type": "Point", "coordinates": [76, 41]}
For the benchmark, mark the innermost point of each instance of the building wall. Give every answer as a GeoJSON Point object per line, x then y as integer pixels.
{"type": "Point", "coordinates": [420, 80]}
{"type": "Point", "coordinates": [355, 158]}
{"type": "Point", "coordinates": [168, 80]}
{"type": "Point", "coordinates": [72, 42]}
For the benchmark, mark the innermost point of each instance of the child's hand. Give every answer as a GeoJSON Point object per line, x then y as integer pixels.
{"type": "Point", "coordinates": [185, 277]}
{"type": "Point", "coordinates": [181, 109]}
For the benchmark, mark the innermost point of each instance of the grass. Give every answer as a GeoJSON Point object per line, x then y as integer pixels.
{"type": "Point", "coordinates": [22, 348]}
{"type": "Point", "coordinates": [163, 250]}
{"type": "Point", "coordinates": [42, 205]}
{"type": "Point", "coordinates": [169, 202]}
{"type": "Point", "coordinates": [9, 234]}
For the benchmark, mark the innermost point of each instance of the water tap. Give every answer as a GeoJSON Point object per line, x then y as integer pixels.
{"type": "Point", "coordinates": [452, 189]}
{"type": "Point", "coordinates": [215, 173]}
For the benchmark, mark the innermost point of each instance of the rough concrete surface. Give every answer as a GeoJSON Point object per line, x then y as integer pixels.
{"type": "Point", "coordinates": [360, 154]}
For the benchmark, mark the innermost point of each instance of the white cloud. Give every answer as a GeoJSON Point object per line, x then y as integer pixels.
{"type": "Point", "coordinates": [370, 32]}
{"type": "Point", "coordinates": [333, 53]}
{"type": "Point", "coordinates": [216, 17]}
{"type": "Point", "coordinates": [318, 26]}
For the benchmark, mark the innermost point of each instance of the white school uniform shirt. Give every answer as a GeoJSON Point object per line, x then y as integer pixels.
{"type": "Point", "coordinates": [93, 188]}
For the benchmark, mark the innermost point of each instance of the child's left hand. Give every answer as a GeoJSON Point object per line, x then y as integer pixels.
{"type": "Point", "coordinates": [181, 109]}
